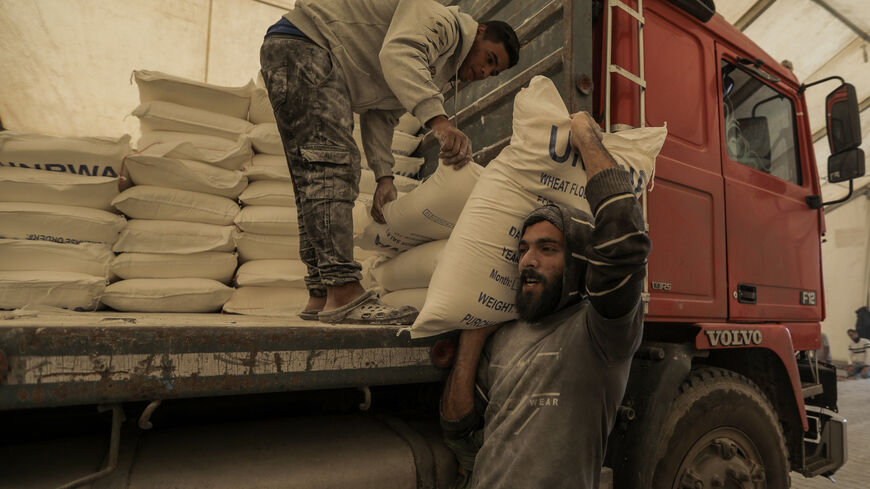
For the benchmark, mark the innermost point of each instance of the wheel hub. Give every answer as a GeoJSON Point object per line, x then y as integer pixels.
{"type": "Point", "coordinates": [724, 458]}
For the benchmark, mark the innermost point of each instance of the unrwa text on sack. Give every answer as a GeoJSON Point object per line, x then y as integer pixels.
{"type": "Point", "coordinates": [89, 171]}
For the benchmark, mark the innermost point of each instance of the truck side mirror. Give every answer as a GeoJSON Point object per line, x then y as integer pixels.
{"type": "Point", "coordinates": [844, 134]}
{"type": "Point", "coordinates": [843, 124]}
{"type": "Point", "coordinates": [846, 165]}
{"type": "Point", "coordinates": [843, 119]}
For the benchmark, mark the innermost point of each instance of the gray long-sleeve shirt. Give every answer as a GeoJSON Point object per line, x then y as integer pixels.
{"type": "Point", "coordinates": [553, 387]}
{"type": "Point", "coordinates": [396, 55]}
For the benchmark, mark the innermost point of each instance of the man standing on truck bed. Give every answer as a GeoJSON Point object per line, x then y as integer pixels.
{"type": "Point", "coordinates": [553, 380]}
{"type": "Point", "coordinates": [325, 60]}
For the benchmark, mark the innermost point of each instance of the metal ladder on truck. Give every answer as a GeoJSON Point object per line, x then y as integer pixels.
{"type": "Point", "coordinates": [638, 80]}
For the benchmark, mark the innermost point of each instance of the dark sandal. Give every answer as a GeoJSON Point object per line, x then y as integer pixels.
{"type": "Point", "coordinates": [368, 309]}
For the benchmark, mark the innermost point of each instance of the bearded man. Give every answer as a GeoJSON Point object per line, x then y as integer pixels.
{"type": "Point", "coordinates": [534, 405]}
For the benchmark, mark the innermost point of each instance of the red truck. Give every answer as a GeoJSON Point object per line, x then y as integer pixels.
{"type": "Point", "coordinates": [725, 390]}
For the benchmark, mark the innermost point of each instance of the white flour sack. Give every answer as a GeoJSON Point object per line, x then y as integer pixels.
{"type": "Point", "coordinates": [93, 157]}
{"type": "Point", "coordinates": [404, 144]}
{"type": "Point", "coordinates": [149, 202]}
{"type": "Point", "coordinates": [411, 269]}
{"type": "Point", "coordinates": [23, 185]}
{"type": "Point", "coordinates": [252, 246]}
{"type": "Point", "coordinates": [408, 124]}
{"type": "Point", "coordinates": [147, 236]}
{"type": "Point", "coordinates": [428, 213]}
{"type": "Point", "coordinates": [185, 175]}
{"type": "Point", "coordinates": [202, 142]}
{"type": "Point", "coordinates": [17, 255]}
{"type": "Point", "coordinates": [272, 273]}
{"type": "Point", "coordinates": [215, 265]}
{"type": "Point", "coordinates": [58, 223]}
{"type": "Point", "coordinates": [474, 283]}
{"type": "Point", "coordinates": [231, 101]}
{"type": "Point", "coordinates": [267, 219]}
{"type": "Point", "coordinates": [368, 184]}
{"type": "Point", "coordinates": [233, 158]}
{"type": "Point", "coordinates": [407, 166]}
{"type": "Point", "coordinates": [69, 290]}
{"type": "Point", "coordinates": [261, 108]}
{"type": "Point", "coordinates": [266, 139]}
{"type": "Point", "coordinates": [268, 192]}
{"type": "Point", "coordinates": [167, 295]}
{"type": "Point", "coordinates": [267, 167]}
{"type": "Point", "coordinates": [362, 209]}
{"type": "Point", "coordinates": [267, 301]}
{"type": "Point", "coordinates": [167, 116]}
{"type": "Point", "coordinates": [406, 297]}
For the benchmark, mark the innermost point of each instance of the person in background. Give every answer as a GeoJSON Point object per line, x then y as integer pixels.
{"type": "Point", "coordinates": [823, 354]}
{"type": "Point", "coordinates": [549, 384]}
{"type": "Point", "coordinates": [862, 322]}
{"type": "Point", "coordinates": [858, 356]}
{"type": "Point", "coordinates": [328, 59]}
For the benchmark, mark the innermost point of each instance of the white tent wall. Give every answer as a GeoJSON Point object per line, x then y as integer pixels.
{"type": "Point", "coordinates": [852, 64]}
{"type": "Point", "coordinates": [237, 31]}
{"type": "Point", "coordinates": [807, 52]}
{"type": "Point", "coordinates": [733, 10]}
{"type": "Point", "coordinates": [66, 64]}
{"type": "Point", "coordinates": [845, 255]}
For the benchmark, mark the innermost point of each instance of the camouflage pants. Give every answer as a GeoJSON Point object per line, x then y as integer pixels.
{"type": "Point", "coordinates": [312, 107]}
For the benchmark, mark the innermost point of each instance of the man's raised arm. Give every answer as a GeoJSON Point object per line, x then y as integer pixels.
{"type": "Point", "coordinates": [618, 249]}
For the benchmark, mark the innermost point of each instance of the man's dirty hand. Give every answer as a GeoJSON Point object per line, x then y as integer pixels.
{"type": "Point", "coordinates": [584, 130]}
{"type": "Point", "coordinates": [455, 145]}
{"type": "Point", "coordinates": [385, 192]}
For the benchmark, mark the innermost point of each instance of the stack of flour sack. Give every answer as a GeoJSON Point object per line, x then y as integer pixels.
{"type": "Point", "coordinates": [271, 278]}
{"type": "Point", "coordinates": [405, 143]}
{"type": "Point", "coordinates": [177, 251]}
{"type": "Point", "coordinates": [417, 227]}
{"type": "Point", "coordinates": [57, 224]}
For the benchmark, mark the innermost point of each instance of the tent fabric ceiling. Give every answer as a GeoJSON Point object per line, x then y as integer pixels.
{"type": "Point", "coordinates": [733, 10]}
{"type": "Point", "coordinates": [67, 64]}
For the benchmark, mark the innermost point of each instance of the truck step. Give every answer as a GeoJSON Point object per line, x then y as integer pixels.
{"type": "Point", "coordinates": [810, 389]}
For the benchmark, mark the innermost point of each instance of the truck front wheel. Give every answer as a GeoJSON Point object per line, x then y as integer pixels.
{"type": "Point", "coordinates": [721, 433]}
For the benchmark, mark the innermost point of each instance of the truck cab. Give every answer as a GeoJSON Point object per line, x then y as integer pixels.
{"type": "Point", "coordinates": [725, 389]}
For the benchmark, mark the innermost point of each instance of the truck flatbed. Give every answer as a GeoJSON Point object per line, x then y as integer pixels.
{"type": "Point", "coordinates": [59, 358]}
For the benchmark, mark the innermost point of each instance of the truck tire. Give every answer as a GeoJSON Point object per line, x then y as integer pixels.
{"type": "Point", "coordinates": [721, 432]}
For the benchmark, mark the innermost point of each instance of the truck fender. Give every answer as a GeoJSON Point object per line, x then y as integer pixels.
{"type": "Point", "coordinates": [657, 371]}
{"type": "Point", "coordinates": [773, 337]}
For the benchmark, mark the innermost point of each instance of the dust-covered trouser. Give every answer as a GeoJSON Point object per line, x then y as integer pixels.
{"type": "Point", "coordinates": [315, 120]}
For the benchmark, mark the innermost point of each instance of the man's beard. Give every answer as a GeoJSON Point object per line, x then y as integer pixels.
{"type": "Point", "coordinates": [532, 308]}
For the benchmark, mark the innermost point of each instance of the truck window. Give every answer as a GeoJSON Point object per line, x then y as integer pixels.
{"type": "Point", "coordinates": [759, 125]}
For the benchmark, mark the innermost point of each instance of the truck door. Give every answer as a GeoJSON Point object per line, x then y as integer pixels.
{"type": "Point", "coordinates": [772, 235]}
